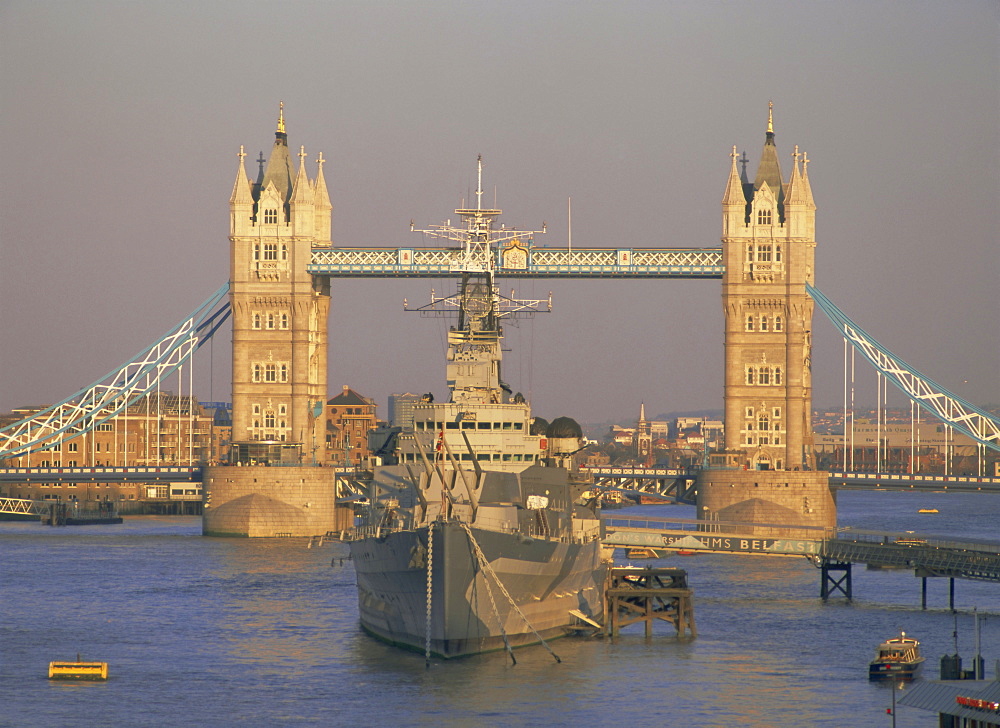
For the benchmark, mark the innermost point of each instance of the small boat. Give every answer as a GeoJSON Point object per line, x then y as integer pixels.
{"type": "Point", "coordinates": [928, 510]}
{"type": "Point", "coordinates": [645, 552]}
{"type": "Point", "coordinates": [897, 658]}
{"type": "Point", "coordinates": [682, 552]}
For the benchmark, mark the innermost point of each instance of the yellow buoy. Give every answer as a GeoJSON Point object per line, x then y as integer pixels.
{"type": "Point", "coordinates": [78, 670]}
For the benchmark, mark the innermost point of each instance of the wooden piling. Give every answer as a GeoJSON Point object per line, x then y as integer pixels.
{"type": "Point", "coordinates": [649, 594]}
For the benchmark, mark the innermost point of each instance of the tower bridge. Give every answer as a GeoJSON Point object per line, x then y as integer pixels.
{"type": "Point", "coordinates": [283, 262]}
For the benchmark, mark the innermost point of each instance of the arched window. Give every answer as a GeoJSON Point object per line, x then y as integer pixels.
{"type": "Point", "coordinates": [271, 373]}
{"type": "Point", "coordinates": [763, 323]}
{"type": "Point", "coordinates": [270, 216]}
{"type": "Point", "coordinates": [777, 375]}
{"type": "Point", "coordinates": [256, 423]}
{"type": "Point", "coordinates": [256, 378]}
{"type": "Point", "coordinates": [750, 253]}
{"type": "Point", "coordinates": [777, 253]}
{"type": "Point", "coordinates": [765, 375]}
{"type": "Point", "coordinates": [777, 323]}
{"type": "Point", "coordinates": [256, 251]}
{"type": "Point", "coordinates": [270, 251]}
{"type": "Point", "coordinates": [749, 322]}
{"type": "Point", "coordinates": [764, 251]}
{"type": "Point", "coordinates": [284, 372]}
{"type": "Point", "coordinates": [284, 320]}
{"type": "Point", "coordinates": [763, 217]}
{"type": "Point", "coordinates": [270, 320]}
{"type": "Point", "coordinates": [269, 419]}
{"type": "Point", "coordinates": [256, 320]}
{"type": "Point", "coordinates": [763, 423]}
{"type": "Point", "coordinates": [282, 410]}
{"type": "Point", "coordinates": [751, 375]}
{"type": "Point", "coordinates": [284, 252]}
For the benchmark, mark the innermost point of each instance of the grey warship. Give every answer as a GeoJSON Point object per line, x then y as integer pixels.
{"type": "Point", "coordinates": [477, 536]}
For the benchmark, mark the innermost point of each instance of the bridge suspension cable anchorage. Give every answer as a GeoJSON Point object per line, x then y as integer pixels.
{"type": "Point", "coordinates": [930, 396]}
{"type": "Point", "coordinates": [113, 393]}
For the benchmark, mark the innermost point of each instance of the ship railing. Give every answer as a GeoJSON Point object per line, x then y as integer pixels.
{"type": "Point", "coordinates": [372, 531]}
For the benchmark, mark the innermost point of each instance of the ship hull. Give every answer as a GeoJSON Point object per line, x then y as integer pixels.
{"type": "Point", "coordinates": [469, 612]}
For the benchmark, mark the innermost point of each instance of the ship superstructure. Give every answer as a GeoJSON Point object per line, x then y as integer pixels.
{"type": "Point", "coordinates": [478, 537]}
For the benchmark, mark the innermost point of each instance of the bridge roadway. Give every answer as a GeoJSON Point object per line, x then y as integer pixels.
{"type": "Point", "coordinates": [679, 484]}
{"type": "Point", "coordinates": [842, 480]}
{"type": "Point", "coordinates": [22, 507]}
{"type": "Point", "coordinates": [671, 482]}
{"type": "Point", "coordinates": [926, 555]}
{"type": "Point", "coordinates": [145, 474]}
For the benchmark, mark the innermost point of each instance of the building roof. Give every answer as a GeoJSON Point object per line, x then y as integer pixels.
{"type": "Point", "coordinates": [941, 696]}
{"type": "Point", "coordinates": [349, 398]}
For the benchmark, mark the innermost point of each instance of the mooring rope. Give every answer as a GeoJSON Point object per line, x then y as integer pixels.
{"type": "Point", "coordinates": [430, 574]}
{"type": "Point", "coordinates": [489, 570]}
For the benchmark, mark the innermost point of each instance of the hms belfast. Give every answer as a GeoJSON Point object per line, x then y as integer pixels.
{"type": "Point", "coordinates": [477, 536]}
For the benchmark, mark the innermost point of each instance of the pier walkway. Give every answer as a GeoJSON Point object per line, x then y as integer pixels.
{"type": "Point", "coordinates": [927, 555]}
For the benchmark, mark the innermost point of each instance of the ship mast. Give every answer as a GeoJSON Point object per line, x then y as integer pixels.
{"type": "Point", "coordinates": [473, 367]}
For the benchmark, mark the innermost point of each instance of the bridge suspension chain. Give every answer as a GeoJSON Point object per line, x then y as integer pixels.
{"type": "Point", "coordinates": [978, 424]}
{"type": "Point", "coordinates": [112, 394]}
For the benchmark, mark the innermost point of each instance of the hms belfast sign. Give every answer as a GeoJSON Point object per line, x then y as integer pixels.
{"type": "Point", "coordinates": [729, 543]}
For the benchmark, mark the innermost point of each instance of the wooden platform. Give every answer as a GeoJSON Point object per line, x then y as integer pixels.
{"type": "Point", "coordinates": [637, 594]}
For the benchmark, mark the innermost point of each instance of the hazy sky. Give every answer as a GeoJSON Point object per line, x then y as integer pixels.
{"type": "Point", "coordinates": [121, 122]}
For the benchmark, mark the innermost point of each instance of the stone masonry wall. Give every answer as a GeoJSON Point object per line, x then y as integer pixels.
{"type": "Point", "coordinates": [259, 501]}
{"type": "Point", "coordinates": [782, 497]}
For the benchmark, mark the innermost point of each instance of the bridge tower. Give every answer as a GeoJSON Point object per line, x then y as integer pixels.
{"type": "Point", "coordinates": [768, 249]}
{"type": "Point", "coordinates": [279, 310]}
{"type": "Point", "coordinates": [279, 313]}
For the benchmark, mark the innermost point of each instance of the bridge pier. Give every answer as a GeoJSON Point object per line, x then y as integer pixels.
{"type": "Point", "coordinates": [830, 584]}
{"type": "Point", "coordinates": [787, 503]}
{"type": "Point", "coordinates": [263, 501]}
{"type": "Point", "coordinates": [923, 590]}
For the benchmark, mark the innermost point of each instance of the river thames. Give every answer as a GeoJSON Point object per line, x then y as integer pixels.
{"type": "Point", "coordinates": [226, 632]}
